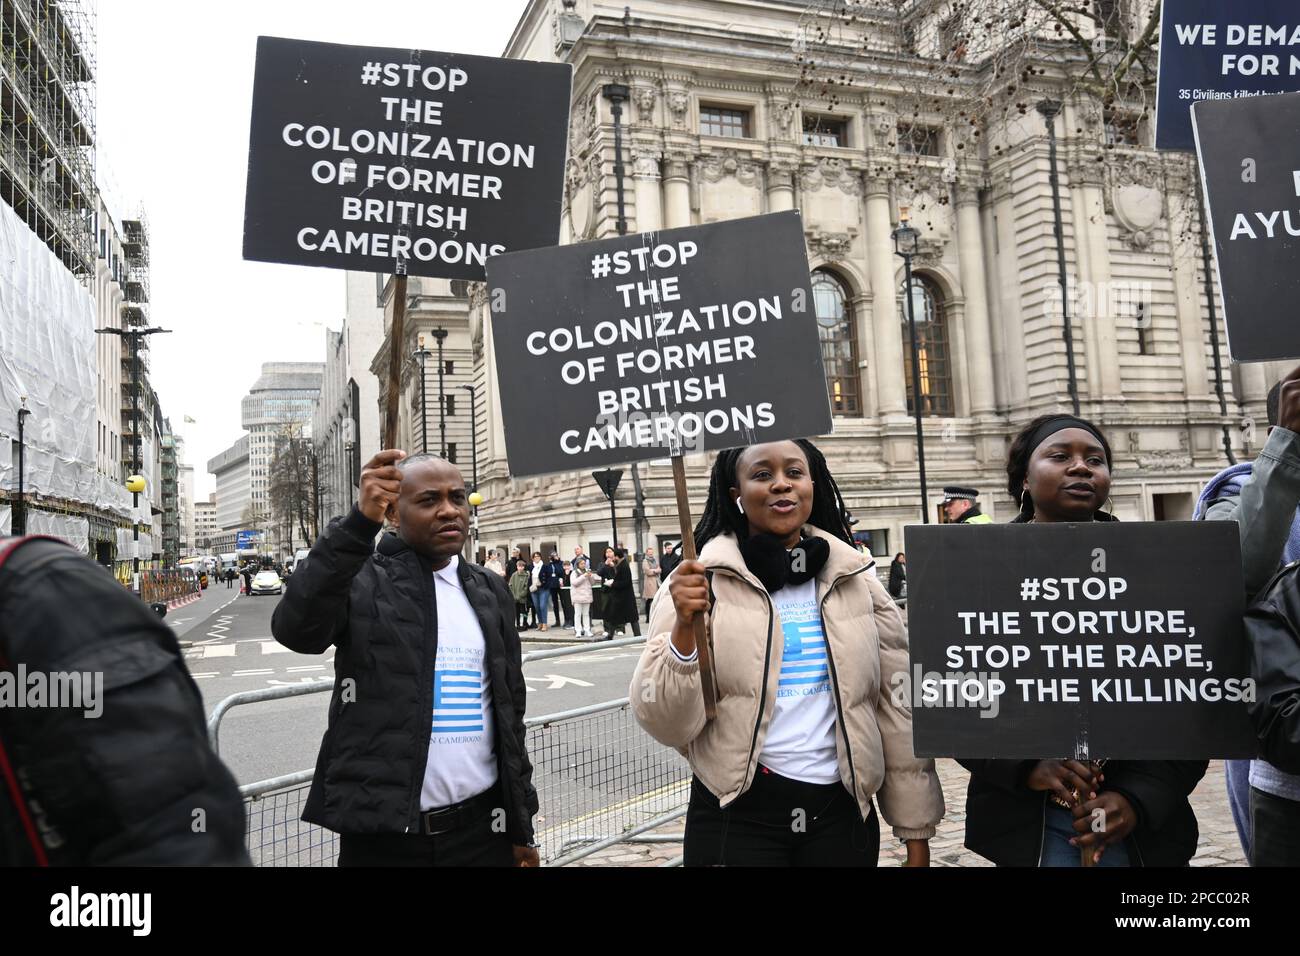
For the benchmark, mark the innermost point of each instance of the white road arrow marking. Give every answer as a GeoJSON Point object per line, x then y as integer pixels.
{"type": "Point", "coordinates": [559, 680]}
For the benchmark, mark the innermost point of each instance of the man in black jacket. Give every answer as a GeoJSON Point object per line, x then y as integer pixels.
{"type": "Point", "coordinates": [114, 769]}
{"type": "Point", "coordinates": [423, 762]}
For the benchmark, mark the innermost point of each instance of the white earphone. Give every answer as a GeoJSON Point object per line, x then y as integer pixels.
{"type": "Point", "coordinates": [738, 506]}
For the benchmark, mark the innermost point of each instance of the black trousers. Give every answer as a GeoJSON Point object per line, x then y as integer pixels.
{"type": "Point", "coordinates": [1276, 825]}
{"type": "Point", "coordinates": [472, 845]}
{"type": "Point", "coordinates": [567, 603]}
{"type": "Point", "coordinates": [780, 822]}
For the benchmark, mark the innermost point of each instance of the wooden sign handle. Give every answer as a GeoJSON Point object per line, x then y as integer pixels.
{"type": "Point", "coordinates": [1081, 755]}
{"type": "Point", "coordinates": [396, 346]}
{"type": "Point", "coordinates": [702, 645]}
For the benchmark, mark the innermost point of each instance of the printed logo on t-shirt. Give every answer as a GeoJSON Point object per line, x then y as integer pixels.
{"type": "Point", "coordinates": [458, 695]}
{"type": "Point", "coordinates": [803, 662]}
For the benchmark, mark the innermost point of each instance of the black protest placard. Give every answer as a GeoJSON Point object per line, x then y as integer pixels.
{"type": "Point", "coordinates": [1249, 151]}
{"type": "Point", "coordinates": [645, 346]}
{"type": "Point", "coordinates": [1211, 50]}
{"type": "Point", "coordinates": [1112, 640]}
{"type": "Point", "coordinates": [392, 160]}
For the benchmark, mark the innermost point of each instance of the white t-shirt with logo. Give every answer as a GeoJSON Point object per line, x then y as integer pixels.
{"type": "Point", "coordinates": [800, 741]}
{"type": "Point", "coordinates": [462, 760]}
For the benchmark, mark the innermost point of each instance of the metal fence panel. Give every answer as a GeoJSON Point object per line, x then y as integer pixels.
{"type": "Point", "coordinates": [599, 776]}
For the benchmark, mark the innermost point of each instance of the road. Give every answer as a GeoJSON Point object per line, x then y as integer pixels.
{"type": "Point", "coordinates": [232, 650]}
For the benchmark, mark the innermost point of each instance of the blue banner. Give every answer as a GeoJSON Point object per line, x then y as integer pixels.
{"type": "Point", "coordinates": [1211, 50]}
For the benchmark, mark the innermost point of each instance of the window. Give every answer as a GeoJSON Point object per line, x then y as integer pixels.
{"type": "Point", "coordinates": [933, 364]}
{"type": "Point", "coordinates": [952, 39]}
{"type": "Point", "coordinates": [825, 131]}
{"type": "Point", "coordinates": [839, 342]}
{"type": "Point", "coordinates": [716, 121]}
{"type": "Point", "coordinates": [451, 452]}
{"type": "Point", "coordinates": [1107, 13]}
{"type": "Point", "coordinates": [1123, 129]}
{"type": "Point", "coordinates": [450, 403]}
{"type": "Point", "coordinates": [1143, 329]}
{"type": "Point", "coordinates": [918, 140]}
{"type": "Point", "coordinates": [449, 368]}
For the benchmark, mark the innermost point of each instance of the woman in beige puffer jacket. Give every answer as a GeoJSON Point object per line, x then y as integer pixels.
{"type": "Point", "coordinates": [810, 662]}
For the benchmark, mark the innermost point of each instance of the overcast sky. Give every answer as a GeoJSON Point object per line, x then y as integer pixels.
{"type": "Point", "coordinates": [174, 87]}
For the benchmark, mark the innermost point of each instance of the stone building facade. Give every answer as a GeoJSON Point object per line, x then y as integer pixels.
{"type": "Point", "coordinates": [718, 127]}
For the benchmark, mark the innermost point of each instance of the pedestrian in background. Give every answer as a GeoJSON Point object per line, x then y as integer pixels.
{"type": "Point", "coordinates": [540, 595]}
{"type": "Point", "coordinates": [580, 582]}
{"type": "Point", "coordinates": [494, 563]}
{"type": "Point", "coordinates": [520, 583]}
{"type": "Point", "coordinates": [898, 576]}
{"type": "Point", "coordinates": [566, 597]}
{"type": "Point", "coordinates": [650, 573]}
{"type": "Point", "coordinates": [551, 578]}
{"type": "Point", "coordinates": [621, 609]}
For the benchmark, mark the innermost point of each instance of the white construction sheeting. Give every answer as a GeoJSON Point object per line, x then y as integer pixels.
{"type": "Point", "coordinates": [75, 531]}
{"type": "Point", "coordinates": [47, 353]}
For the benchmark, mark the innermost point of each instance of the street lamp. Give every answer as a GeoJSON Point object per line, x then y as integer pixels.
{"type": "Point", "coordinates": [617, 94]}
{"type": "Point", "coordinates": [441, 334]}
{"type": "Point", "coordinates": [422, 354]}
{"type": "Point", "coordinates": [19, 522]}
{"type": "Point", "coordinates": [907, 244]}
{"type": "Point", "coordinates": [1049, 109]}
{"type": "Point", "coordinates": [475, 498]}
{"type": "Point", "coordinates": [135, 484]}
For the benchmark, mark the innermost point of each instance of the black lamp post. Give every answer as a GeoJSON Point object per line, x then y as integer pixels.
{"type": "Point", "coordinates": [19, 522]}
{"type": "Point", "coordinates": [422, 354]}
{"type": "Point", "coordinates": [617, 94]}
{"type": "Point", "coordinates": [441, 334]}
{"type": "Point", "coordinates": [1050, 109]}
{"type": "Point", "coordinates": [907, 243]}
{"type": "Point", "coordinates": [474, 498]}
{"type": "Point", "coordinates": [135, 483]}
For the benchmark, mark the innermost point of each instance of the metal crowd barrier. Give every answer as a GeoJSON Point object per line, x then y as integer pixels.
{"type": "Point", "coordinates": [601, 781]}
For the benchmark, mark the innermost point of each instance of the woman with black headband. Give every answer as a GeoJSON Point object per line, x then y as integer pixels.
{"type": "Point", "coordinates": [1043, 812]}
{"type": "Point", "coordinates": [806, 647]}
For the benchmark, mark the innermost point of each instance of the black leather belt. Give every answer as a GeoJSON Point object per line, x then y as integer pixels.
{"type": "Point", "coordinates": [457, 815]}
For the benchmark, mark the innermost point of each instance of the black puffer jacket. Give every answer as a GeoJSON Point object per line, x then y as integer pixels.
{"type": "Point", "coordinates": [378, 608]}
{"type": "Point", "coordinates": [129, 780]}
{"type": "Point", "coordinates": [1275, 665]}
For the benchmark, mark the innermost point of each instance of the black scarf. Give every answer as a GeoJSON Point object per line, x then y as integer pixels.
{"type": "Point", "coordinates": [774, 566]}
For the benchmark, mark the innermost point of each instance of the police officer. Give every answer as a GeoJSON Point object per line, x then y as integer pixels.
{"type": "Point", "coordinates": [961, 505]}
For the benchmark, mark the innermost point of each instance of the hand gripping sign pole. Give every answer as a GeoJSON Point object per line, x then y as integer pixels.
{"type": "Point", "coordinates": [702, 646]}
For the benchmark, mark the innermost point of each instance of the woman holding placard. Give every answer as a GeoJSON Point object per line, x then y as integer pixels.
{"type": "Point", "coordinates": [806, 649]}
{"type": "Point", "coordinates": [1052, 812]}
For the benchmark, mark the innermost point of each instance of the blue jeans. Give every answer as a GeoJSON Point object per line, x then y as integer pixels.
{"type": "Point", "coordinates": [541, 601]}
{"type": "Point", "coordinates": [1059, 830]}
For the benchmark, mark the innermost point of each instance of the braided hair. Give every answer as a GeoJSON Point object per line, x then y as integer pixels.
{"type": "Point", "coordinates": [721, 515]}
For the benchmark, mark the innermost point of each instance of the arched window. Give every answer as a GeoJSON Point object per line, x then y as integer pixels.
{"type": "Point", "coordinates": [839, 342]}
{"type": "Point", "coordinates": [933, 357]}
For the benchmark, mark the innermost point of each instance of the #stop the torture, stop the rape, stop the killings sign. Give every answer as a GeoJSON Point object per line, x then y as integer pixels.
{"type": "Point", "coordinates": [658, 344]}
{"type": "Point", "coordinates": [1106, 640]}
{"type": "Point", "coordinates": [399, 160]}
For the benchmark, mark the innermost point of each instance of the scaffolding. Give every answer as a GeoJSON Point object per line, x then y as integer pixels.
{"type": "Point", "coordinates": [47, 123]}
